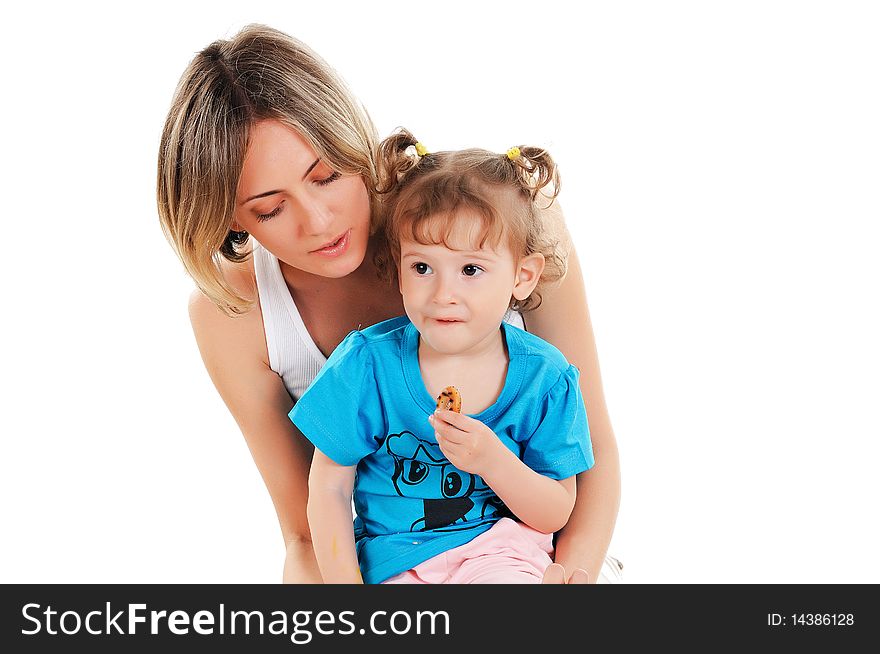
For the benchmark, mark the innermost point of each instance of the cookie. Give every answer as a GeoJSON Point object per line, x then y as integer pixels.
{"type": "Point", "coordinates": [449, 399]}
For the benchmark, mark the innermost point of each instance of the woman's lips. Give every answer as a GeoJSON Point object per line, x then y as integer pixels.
{"type": "Point", "coordinates": [337, 247]}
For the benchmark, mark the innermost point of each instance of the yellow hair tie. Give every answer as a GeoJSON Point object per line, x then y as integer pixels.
{"type": "Point", "coordinates": [421, 150]}
{"type": "Point", "coordinates": [513, 153]}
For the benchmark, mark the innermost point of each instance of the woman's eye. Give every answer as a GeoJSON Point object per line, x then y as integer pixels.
{"type": "Point", "coordinates": [262, 217]}
{"type": "Point", "coordinates": [328, 180]}
{"type": "Point", "coordinates": [471, 270]}
{"type": "Point", "coordinates": [421, 268]}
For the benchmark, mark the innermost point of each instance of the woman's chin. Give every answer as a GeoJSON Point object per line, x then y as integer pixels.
{"type": "Point", "coordinates": [331, 268]}
{"type": "Point", "coordinates": [336, 269]}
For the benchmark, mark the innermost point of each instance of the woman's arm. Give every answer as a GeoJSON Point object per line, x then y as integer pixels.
{"type": "Point", "coordinates": [330, 487]}
{"type": "Point", "coordinates": [564, 320]}
{"type": "Point", "coordinates": [234, 353]}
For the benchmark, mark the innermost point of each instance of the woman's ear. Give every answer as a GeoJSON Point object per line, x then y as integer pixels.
{"type": "Point", "coordinates": [528, 274]}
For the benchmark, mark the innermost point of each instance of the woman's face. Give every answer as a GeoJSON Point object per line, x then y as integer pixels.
{"type": "Point", "coordinates": [305, 213]}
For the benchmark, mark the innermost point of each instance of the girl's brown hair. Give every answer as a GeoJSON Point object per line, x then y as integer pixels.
{"type": "Point", "coordinates": [504, 190]}
{"type": "Point", "coordinates": [228, 87]}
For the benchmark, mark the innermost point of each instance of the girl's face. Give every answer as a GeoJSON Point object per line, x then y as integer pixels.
{"type": "Point", "coordinates": [305, 213]}
{"type": "Point", "coordinates": [457, 296]}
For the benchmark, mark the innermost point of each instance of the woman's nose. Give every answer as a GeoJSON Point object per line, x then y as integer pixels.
{"type": "Point", "coordinates": [316, 218]}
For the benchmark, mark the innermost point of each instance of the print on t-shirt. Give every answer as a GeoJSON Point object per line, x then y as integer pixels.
{"type": "Point", "coordinates": [421, 470]}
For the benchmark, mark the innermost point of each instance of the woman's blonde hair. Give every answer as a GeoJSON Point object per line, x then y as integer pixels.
{"type": "Point", "coordinates": [228, 87]}
{"type": "Point", "coordinates": [502, 189]}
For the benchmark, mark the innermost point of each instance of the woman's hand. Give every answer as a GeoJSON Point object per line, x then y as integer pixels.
{"type": "Point", "coordinates": [555, 574]}
{"type": "Point", "coordinates": [468, 444]}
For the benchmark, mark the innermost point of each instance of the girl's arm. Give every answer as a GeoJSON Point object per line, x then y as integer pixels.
{"type": "Point", "coordinates": [542, 503]}
{"type": "Point", "coordinates": [564, 320]}
{"type": "Point", "coordinates": [329, 510]}
{"type": "Point", "coordinates": [234, 353]}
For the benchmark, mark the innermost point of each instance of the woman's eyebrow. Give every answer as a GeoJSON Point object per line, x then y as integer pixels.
{"type": "Point", "coordinates": [261, 195]}
{"type": "Point", "coordinates": [311, 168]}
{"type": "Point", "coordinates": [265, 193]}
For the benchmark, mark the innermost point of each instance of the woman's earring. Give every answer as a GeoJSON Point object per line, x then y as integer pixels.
{"type": "Point", "coordinates": [234, 240]}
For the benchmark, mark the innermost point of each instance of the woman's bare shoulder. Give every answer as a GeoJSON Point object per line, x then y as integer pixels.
{"type": "Point", "coordinates": [215, 330]}
{"type": "Point", "coordinates": [240, 276]}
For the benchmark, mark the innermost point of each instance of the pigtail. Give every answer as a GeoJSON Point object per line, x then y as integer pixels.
{"type": "Point", "coordinates": [536, 171]}
{"type": "Point", "coordinates": [537, 176]}
{"type": "Point", "coordinates": [398, 154]}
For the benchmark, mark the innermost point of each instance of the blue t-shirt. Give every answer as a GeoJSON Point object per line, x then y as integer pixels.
{"type": "Point", "coordinates": [369, 406]}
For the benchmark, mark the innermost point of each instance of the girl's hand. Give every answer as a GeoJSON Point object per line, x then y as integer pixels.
{"type": "Point", "coordinates": [468, 444]}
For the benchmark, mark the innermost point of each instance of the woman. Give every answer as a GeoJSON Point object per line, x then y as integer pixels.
{"type": "Point", "coordinates": [263, 140]}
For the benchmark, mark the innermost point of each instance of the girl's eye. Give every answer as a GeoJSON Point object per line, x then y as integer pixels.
{"type": "Point", "coordinates": [421, 268]}
{"type": "Point", "coordinates": [263, 217]}
{"type": "Point", "coordinates": [328, 180]}
{"type": "Point", "coordinates": [471, 270]}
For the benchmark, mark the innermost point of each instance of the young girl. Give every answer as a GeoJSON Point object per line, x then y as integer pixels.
{"type": "Point", "coordinates": [446, 497]}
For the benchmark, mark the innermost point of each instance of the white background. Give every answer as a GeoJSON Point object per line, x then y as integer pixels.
{"type": "Point", "coordinates": [720, 177]}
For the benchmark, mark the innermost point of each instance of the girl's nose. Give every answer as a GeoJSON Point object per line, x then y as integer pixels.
{"type": "Point", "coordinates": [444, 292]}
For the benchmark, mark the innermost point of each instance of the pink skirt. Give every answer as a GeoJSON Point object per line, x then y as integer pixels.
{"type": "Point", "coordinates": [509, 552]}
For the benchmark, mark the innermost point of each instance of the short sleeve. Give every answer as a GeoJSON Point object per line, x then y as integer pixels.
{"type": "Point", "coordinates": [340, 411]}
{"type": "Point", "coordinates": [560, 445]}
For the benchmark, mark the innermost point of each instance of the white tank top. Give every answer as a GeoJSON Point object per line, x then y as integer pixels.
{"type": "Point", "coordinates": [292, 352]}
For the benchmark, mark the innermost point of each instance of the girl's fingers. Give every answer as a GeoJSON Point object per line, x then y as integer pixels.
{"type": "Point", "coordinates": [448, 434]}
{"type": "Point", "coordinates": [447, 431]}
{"type": "Point", "coordinates": [449, 449]}
{"type": "Point", "coordinates": [457, 420]}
